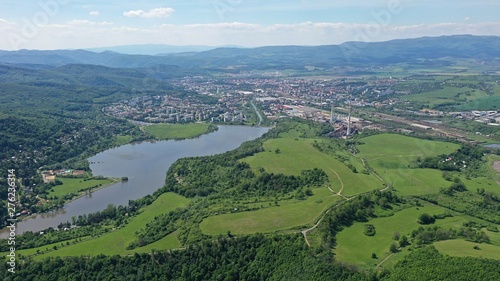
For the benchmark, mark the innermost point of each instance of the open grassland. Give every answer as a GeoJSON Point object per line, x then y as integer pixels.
{"type": "Point", "coordinates": [116, 241]}
{"type": "Point", "coordinates": [71, 185]}
{"type": "Point", "coordinates": [289, 214]}
{"type": "Point", "coordinates": [448, 95]}
{"type": "Point", "coordinates": [176, 131]}
{"type": "Point", "coordinates": [462, 248]}
{"type": "Point", "coordinates": [355, 247]}
{"type": "Point", "coordinates": [296, 155]}
{"type": "Point", "coordinates": [390, 156]}
{"type": "Point", "coordinates": [121, 140]}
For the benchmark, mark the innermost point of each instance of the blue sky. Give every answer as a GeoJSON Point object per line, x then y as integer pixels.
{"type": "Point", "coordinates": [58, 24]}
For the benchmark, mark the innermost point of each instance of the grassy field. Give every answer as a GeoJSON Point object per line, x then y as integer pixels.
{"type": "Point", "coordinates": [462, 248]}
{"type": "Point", "coordinates": [71, 185]}
{"type": "Point", "coordinates": [176, 131]}
{"type": "Point", "coordinates": [390, 155]}
{"type": "Point", "coordinates": [116, 241]}
{"type": "Point", "coordinates": [298, 154]}
{"type": "Point", "coordinates": [355, 247]}
{"type": "Point", "coordinates": [289, 213]}
{"type": "Point", "coordinates": [121, 140]}
{"type": "Point", "coordinates": [448, 94]}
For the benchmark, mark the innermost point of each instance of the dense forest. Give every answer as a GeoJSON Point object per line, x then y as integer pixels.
{"type": "Point", "coordinates": [256, 257]}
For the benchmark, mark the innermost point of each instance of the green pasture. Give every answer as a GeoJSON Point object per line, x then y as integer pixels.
{"type": "Point", "coordinates": [121, 140]}
{"type": "Point", "coordinates": [390, 156]}
{"type": "Point", "coordinates": [462, 248]}
{"type": "Point", "coordinates": [447, 95]}
{"type": "Point", "coordinates": [71, 185]}
{"type": "Point", "coordinates": [117, 240]}
{"type": "Point", "coordinates": [289, 213]}
{"type": "Point", "coordinates": [296, 155]}
{"type": "Point", "coordinates": [300, 131]}
{"type": "Point", "coordinates": [176, 131]}
{"type": "Point", "coordinates": [353, 246]}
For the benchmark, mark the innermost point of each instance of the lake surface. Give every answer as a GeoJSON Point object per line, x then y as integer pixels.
{"type": "Point", "coordinates": [495, 145]}
{"type": "Point", "coordinates": [145, 164]}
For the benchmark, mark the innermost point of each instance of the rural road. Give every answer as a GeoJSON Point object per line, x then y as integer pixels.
{"type": "Point", "coordinates": [258, 113]}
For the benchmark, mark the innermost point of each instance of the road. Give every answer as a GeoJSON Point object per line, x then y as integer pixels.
{"type": "Point", "coordinates": [257, 112]}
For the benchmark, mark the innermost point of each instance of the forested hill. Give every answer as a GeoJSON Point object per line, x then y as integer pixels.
{"type": "Point", "coordinates": [483, 48]}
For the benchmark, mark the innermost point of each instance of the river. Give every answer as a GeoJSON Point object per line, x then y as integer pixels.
{"type": "Point", "coordinates": [145, 164]}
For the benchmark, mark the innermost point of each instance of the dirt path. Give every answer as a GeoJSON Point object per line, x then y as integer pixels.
{"type": "Point", "coordinates": [341, 185]}
{"type": "Point", "coordinates": [304, 232]}
{"type": "Point", "coordinates": [384, 260]}
{"type": "Point", "coordinates": [496, 166]}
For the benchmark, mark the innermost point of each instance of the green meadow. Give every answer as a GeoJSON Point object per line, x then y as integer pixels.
{"type": "Point", "coordinates": [177, 131]}
{"type": "Point", "coordinates": [353, 246]}
{"type": "Point", "coordinates": [448, 95]}
{"type": "Point", "coordinates": [296, 155]}
{"type": "Point", "coordinates": [462, 248]}
{"type": "Point", "coordinates": [121, 140]}
{"type": "Point", "coordinates": [116, 241]}
{"type": "Point", "coordinates": [290, 213]}
{"type": "Point", "coordinates": [71, 185]}
{"type": "Point", "coordinates": [390, 156]}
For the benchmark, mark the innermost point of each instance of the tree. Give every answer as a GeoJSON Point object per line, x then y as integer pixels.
{"type": "Point", "coordinates": [396, 235]}
{"type": "Point", "coordinates": [426, 219]}
{"type": "Point", "coordinates": [277, 151]}
{"type": "Point", "coordinates": [403, 241]}
{"type": "Point", "coordinates": [393, 248]}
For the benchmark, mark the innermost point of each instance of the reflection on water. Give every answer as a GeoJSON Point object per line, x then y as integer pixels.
{"type": "Point", "coordinates": [145, 164]}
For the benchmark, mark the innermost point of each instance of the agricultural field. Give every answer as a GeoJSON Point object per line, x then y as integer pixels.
{"type": "Point", "coordinates": [390, 156]}
{"type": "Point", "coordinates": [460, 92]}
{"type": "Point", "coordinates": [290, 213]}
{"type": "Point", "coordinates": [116, 241]}
{"type": "Point", "coordinates": [176, 131]}
{"type": "Point", "coordinates": [296, 154]}
{"type": "Point", "coordinates": [74, 185]}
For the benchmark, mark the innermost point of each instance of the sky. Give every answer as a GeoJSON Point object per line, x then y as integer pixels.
{"type": "Point", "coordinates": [78, 24]}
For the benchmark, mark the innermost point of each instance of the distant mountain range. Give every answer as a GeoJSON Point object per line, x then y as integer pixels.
{"type": "Point", "coordinates": [152, 49]}
{"type": "Point", "coordinates": [484, 48]}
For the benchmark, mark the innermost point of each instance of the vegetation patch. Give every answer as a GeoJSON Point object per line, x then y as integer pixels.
{"type": "Point", "coordinates": [76, 185]}
{"type": "Point", "coordinates": [179, 131]}
{"type": "Point", "coordinates": [289, 213]}
{"type": "Point", "coordinates": [116, 241]}
{"type": "Point", "coordinates": [296, 154]}
{"type": "Point", "coordinates": [353, 246]}
{"type": "Point", "coordinates": [392, 157]}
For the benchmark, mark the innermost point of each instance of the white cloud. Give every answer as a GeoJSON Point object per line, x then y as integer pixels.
{"type": "Point", "coordinates": [87, 22]}
{"type": "Point", "coordinates": [80, 33]}
{"type": "Point", "coordinates": [94, 13]}
{"type": "Point", "coordinates": [153, 13]}
{"type": "Point", "coordinates": [4, 22]}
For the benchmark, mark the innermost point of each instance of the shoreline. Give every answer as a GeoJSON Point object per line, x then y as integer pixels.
{"type": "Point", "coordinates": [80, 195]}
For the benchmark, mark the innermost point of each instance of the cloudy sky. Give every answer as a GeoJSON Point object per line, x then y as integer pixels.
{"type": "Point", "coordinates": [60, 24]}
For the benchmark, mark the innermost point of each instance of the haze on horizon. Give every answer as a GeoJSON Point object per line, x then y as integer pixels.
{"type": "Point", "coordinates": [70, 24]}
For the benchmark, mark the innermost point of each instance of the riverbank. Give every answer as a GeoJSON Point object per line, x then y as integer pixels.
{"type": "Point", "coordinates": [78, 196]}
